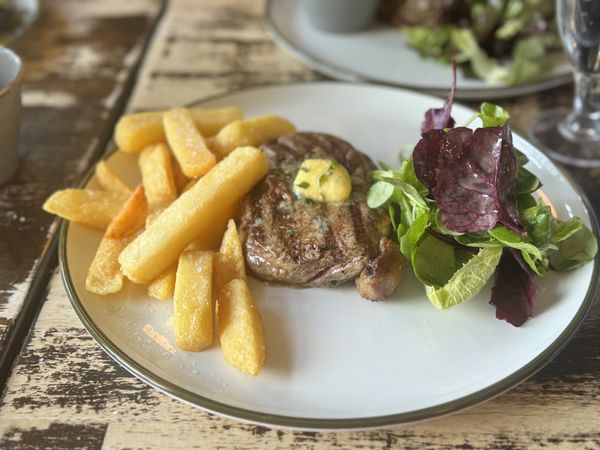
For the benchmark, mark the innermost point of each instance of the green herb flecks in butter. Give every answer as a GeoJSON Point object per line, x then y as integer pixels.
{"type": "Point", "coordinates": [322, 180]}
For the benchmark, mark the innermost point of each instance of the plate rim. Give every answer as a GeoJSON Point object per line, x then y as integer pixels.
{"type": "Point", "coordinates": [321, 424]}
{"type": "Point", "coordinates": [343, 74]}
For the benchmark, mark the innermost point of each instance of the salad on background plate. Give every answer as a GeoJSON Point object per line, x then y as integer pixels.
{"type": "Point", "coordinates": [500, 41]}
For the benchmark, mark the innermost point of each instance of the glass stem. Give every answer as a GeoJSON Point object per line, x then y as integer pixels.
{"type": "Point", "coordinates": [583, 123]}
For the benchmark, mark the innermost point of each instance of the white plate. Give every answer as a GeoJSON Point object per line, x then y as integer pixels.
{"type": "Point", "coordinates": [380, 54]}
{"type": "Point", "coordinates": [335, 360]}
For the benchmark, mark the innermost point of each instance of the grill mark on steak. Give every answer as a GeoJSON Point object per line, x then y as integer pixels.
{"type": "Point", "coordinates": [362, 235]}
{"type": "Point", "coordinates": [290, 240]}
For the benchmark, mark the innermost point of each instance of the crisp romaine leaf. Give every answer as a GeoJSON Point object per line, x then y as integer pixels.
{"type": "Point", "coordinates": [476, 179]}
{"type": "Point", "coordinates": [379, 193]}
{"type": "Point", "coordinates": [574, 251]}
{"type": "Point", "coordinates": [413, 234]}
{"type": "Point", "coordinates": [493, 115]}
{"type": "Point", "coordinates": [435, 261]}
{"type": "Point", "coordinates": [440, 118]}
{"type": "Point", "coordinates": [514, 290]}
{"type": "Point", "coordinates": [482, 65]}
{"type": "Point", "coordinates": [466, 281]}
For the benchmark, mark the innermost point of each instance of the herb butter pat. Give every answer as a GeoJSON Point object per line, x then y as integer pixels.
{"type": "Point", "coordinates": [323, 180]}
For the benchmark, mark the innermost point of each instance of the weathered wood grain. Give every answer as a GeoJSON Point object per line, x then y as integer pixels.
{"type": "Point", "coordinates": [205, 48]}
{"type": "Point", "coordinates": [63, 382]}
{"type": "Point", "coordinates": [63, 377]}
{"type": "Point", "coordinates": [79, 61]}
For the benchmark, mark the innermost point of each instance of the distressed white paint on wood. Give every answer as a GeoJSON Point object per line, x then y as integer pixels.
{"type": "Point", "coordinates": [70, 64]}
{"type": "Point", "coordinates": [207, 48]}
{"type": "Point", "coordinates": [64, 377]}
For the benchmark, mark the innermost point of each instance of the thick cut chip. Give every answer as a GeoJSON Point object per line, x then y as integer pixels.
{"type": "Point", "coordinates": [193, 214]}
{"type": "Point", "coordinates": [229, 262]}
{"type": "Point", "coordinates": [211, 238]}
{"type": "Point", "coordinates": [137, 131]}
{"type": "Point", "coordinates": [240, 328]}
{"type": "Point", "coordinates": [109, 180]}
{"type": "Point", "coordinates": [163, 286]}
{"type": "Point", "coordinates": [157, 176]}
{"type": "Point", "coordinates": [104, 275]}
{"type": "Point", "coordinates": [131, 217]}
{"type": "Point", "coordinates": [88, 207]}
{"type": "Point", "coordinates": [255, 131]}
{"type": "Point", "coordinates": [181, 181]}
{"type": "Point", "coordinates": [192, 301]}
{"type": "Point", "coordinates": [210, 121]}
{"type": "Point", "coordinates": [187, 143]}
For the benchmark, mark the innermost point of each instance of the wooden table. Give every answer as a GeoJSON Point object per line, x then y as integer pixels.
{"type": "Point", "coordinates": [59, 389]}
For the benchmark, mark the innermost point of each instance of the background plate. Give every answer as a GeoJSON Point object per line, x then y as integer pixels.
{"type": "Point", "coordinates": [335, 360]}
{"type": "Point", "coordinates": [380, 54]}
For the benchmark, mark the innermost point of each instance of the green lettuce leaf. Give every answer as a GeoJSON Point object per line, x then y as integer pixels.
{"type": "Point", "coordinates": [493, 115]}
{"type": "Point", "coordinates": [429, 42]}
{"type": "Point", "coordinates": [413, 234]}
{"type": "Point", "coordinates": [482, 65]}
{"type": "Point", "coordinates": [466, 281]}
{"type": "Point", "coordinates": [435, 261]}
{"type": "Point", "coordinates": [574, 251]}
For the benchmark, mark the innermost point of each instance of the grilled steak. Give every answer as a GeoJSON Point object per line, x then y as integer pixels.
{"type": "Point", "coordinates": [290, 240]}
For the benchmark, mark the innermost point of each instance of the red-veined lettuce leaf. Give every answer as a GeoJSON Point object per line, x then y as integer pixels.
{"type": "Point", "coordinates": [440, 118]}
{"type": "Point", "coordinates": [514, 289]}
{"type": "Point", "coordinates": [471, 175]}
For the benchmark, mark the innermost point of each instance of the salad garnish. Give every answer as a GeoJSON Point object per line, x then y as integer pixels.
{"type": "Point", "coordinates": [502, 41]}
{"type": "Point", "coordinates": [463, 207]}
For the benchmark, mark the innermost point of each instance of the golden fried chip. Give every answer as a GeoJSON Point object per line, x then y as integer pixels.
{"type": "Point", "coordinates": [109, 180]}
{"type": "Point", "coordinates": [130, 218]}
{"type": "Point", "coordinates": [85, 206]}
{"type": "Point", "coordinates": [229, 261]}
{"type": "Point", "coordinates": [192, 301]}
{"type": "Point", "coordinates": [193, 214]}
{"type": "Point", "coordinates": [187, 143]}
{"type": "Point", "coordinates": [254, 131]}
{"type": "Point", "coordinates": [240, 328]}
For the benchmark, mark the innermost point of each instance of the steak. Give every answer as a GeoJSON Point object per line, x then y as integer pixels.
{"type": "Point", "coordinates": [293, 241]}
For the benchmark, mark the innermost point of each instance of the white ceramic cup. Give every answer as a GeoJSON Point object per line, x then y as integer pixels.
{"type": "Point", "coordinates": [340, 16]}
{"type": "Point", "coordinates": [11, 73]}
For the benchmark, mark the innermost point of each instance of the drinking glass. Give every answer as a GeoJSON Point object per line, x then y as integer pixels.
{"type": "Point", "coordinates": [573, 137]}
